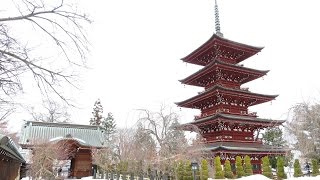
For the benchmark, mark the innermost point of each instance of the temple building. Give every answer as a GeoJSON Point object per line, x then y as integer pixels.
{"type": "Point", "coordinates": [226, 125]}
{"type": "Point", "coordinates": [70, 142]}
{"type": "Point", "coordinates": [11, 161]}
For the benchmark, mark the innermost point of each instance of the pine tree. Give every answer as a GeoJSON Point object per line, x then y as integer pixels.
{"type": "Point", "coordinates": [227, 170]}
{"type": "Point", "coordinates": [280, 169]}
{"type": "Point", "coordinates": [204, 170]}
{"type": "Point", "coordinates": [297, 168]}
{"type": "Point", "coordinates": [109, 125]}
{"type": "Point", "coordinates": [239, 167]}
{"type": "Point", "coordinates": [266, 169]}
{"type": "Point", "coordinates": [315, 167]}
{"type": "Point", "coordinates": [247, 166]}
{"type": "Point", "coordinates": [187, 171]}
{"type": "Point", "coordinates": [97, 113]}
{"type": "Point", "coordinates": [273, 136]}
{"type": "Point", "coordinates": [218, 169]}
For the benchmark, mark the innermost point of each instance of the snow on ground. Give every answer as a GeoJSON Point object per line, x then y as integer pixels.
{"type": "Point", "coordinates": [253, 177]}
{"type": "Point", "coordinates": [261, 177]}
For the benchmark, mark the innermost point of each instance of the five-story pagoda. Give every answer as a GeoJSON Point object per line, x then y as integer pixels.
{"type": "Point", "coordinates": [225, 123]}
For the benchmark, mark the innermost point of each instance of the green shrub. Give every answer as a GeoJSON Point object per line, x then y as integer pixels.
{"type": "Point", "coordinates": [204, 170]}
{"type": "Point", "coordinates": [187, 171]}
{"type": "Point", "coordinates": [315, 167]}
{"type": "Point", "coordinates": [247, 166]}
{"type": "Point", "coordinates": [218, 168]}
{"type": "Point", "coordinates": [297, 169]}
{"type": "Point", "coordinates": [266, 169]}
{"type": "Point", "coordinates": [239, 167]}
{"type": "Point", "coordinates": [280, 169]}
{"type": "Point", "coordinates": [180, 170]}
{"type": "Point", "coordinates": [227, 170]}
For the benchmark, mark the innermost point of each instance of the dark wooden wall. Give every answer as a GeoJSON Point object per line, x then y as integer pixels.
{"type": "Point", "coordinates": [81, 164]}
{"type": "Point", "coordinates": [9, 168]}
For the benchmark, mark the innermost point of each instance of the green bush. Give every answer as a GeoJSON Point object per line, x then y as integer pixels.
{"type": "Point", "coordinates": [297, 169]}
{"type": "Point", "coordinates": [239, 167]}
{"type": "Point", "coordinates": [315, 167]}
{"type": "Point", "coordinates": [187, 171]}
{"type": "Point", "coordinates": [247, 166]}
{"type": "Point", "coordinates": [204, 170]}
{"type": "Point", "coordinates": [280, 169]}
{"type": "Point", "coordinates": [266, 169]}
{"type": "Point", "coordinates": [218, 168]}
{"type": "Point", "coordinates": [227, 170]}
{"type": "Point", "coordinates": [180, 170]}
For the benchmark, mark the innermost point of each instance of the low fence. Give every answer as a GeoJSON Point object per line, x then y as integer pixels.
{"type": "Point", "coordinates": [118, 176]}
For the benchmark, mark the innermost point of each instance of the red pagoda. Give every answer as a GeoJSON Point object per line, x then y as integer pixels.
{"type": "Point", "coordinates": [226, 125]}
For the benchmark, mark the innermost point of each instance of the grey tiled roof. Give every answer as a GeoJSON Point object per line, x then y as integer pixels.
{"type": "Point", "coordinates": [9, 149]}
{"type": "Point", "coordinates": [85, 135]}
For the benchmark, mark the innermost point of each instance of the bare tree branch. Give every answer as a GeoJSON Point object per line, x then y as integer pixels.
{"type": "Point", "coordinates": [56, 20]}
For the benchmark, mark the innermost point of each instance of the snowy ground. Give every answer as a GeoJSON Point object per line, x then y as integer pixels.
{"type": "Point", "coordinates": [253, 177]}
{"type": "Point", "coordinates": [261, 177]}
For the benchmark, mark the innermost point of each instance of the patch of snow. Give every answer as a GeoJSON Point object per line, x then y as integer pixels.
{"type": "Point", "coordinates": [255, 177]}
{"type": "Point", "coordinates": [80, 140]}
{"type": "Point", "coordinates": [56, 138]}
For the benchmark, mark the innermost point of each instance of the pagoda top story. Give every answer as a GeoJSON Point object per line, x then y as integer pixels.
{"type": "Point", "coordinates": [218, 47]}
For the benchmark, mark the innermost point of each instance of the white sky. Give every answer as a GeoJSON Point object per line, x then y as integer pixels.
{"type": "Point", "coordinates": [137, 46]}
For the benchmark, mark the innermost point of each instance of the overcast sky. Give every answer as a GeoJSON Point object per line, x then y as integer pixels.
{"type": "Point", "coordinates": [136, 47]}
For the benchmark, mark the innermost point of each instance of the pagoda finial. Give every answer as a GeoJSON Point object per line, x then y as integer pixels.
{"type": "Point", "coordinates": [217, 21]}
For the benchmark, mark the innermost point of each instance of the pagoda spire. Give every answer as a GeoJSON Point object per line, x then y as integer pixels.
{"type": "Point", "coordinates": [217, 21]}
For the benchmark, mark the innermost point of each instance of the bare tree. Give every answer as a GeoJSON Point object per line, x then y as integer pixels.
{"type": "Point", "coordinates": [58, 24]}
{"type": "Point", "coordinates": [305, 128]}
{"type": "Point", "coordinates": [171, 142]}
{"type": "Point", "coordinates": [45, 156]}
{"type": "Point", "coordinates": [51, 111]}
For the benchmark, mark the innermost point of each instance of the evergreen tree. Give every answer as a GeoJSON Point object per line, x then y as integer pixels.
{"type": "Point", "coordinates": [247, 166]}
{"type": "Point", "coordinates": [110, 126]}
{"type": "Point", "coordinates": [273, 136]}
{"type": "Point", "coordinates": [273, 161]}
{"type": "Point", "coordinates": [218, 169]}
{"type": "Point", "coordinates": [143, 144]}
{"type": "Point", "coordinates": [204, 170]}
{"type": "Point", "coordinates": [175, 140]}
{"type": "Point", "coordinates": [297, 168]}
{"type": "Point", "coordinates": [315, 168]}
{"type": "Point", "coordinates": [239, 167]}
{"type": "Point", "coordinates": [187, 171]}
{"type": "Point", "coordinates": [97, 113]}
{"type": "Point", "coordinates": [280, 169]}
{"type": "Point", "coordinates": [227, 170]}
{"type": "Point", "coordinates": [180, 170]}
{"type": "Point", "coordinates": [266, 169]}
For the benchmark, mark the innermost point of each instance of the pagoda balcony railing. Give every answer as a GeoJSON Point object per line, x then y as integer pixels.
{"type": "Point", "coordinates": [252, 114]}
{"type": "Point", "coordinates": [259, 141]}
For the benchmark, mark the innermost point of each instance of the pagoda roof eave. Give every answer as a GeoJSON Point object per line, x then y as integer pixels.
{"type": "Point", "coordinates": [239, 117]}
{"type": "Point", "coordinates": [212, 64]}
{"type": "Point", "coordinates": [217, 88]}
{"type": "Point", "coordinates": [233, 146]}
{"type": "Point", "coordinates": [193, 126]}
{"type": "Point", "coordinates": [200, 49]}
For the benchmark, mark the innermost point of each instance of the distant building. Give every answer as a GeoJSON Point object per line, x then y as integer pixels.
{"type": "Point", "coordinates": [11, 161]}
{"type": "Point", "coordinates": [77, 140]}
